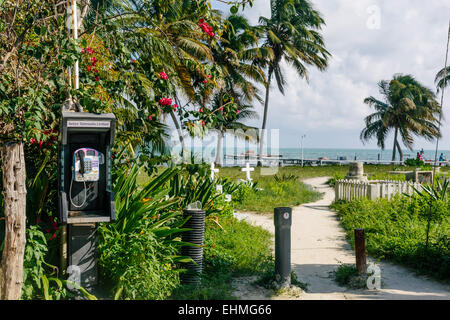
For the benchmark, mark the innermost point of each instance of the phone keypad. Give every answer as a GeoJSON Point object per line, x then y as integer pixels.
{"type": "Point", "coordinates": [87, 165]}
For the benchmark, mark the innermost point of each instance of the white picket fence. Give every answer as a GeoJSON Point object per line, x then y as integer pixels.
{"type": "Point", "coordinates": [373, 189]}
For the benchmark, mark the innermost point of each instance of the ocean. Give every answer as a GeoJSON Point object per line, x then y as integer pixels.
{"type": "Point", "coordinates": [208, 154]}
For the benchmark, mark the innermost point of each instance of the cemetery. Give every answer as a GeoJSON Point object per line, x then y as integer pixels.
{"type": "Point", "coordinates": [120, 181]}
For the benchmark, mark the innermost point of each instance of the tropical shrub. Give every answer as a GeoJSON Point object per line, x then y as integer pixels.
{"type": "Point", "coordinates": [138, 253]}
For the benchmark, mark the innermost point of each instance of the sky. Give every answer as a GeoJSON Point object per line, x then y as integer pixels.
{"type": "Point", "coordinates": [369, 41]}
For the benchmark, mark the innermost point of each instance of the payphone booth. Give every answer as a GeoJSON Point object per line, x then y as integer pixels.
{"type": "Point", "coordinates": [85, 188]}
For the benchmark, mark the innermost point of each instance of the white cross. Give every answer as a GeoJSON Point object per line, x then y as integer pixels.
{"type": "Point", "coordinates": [247, 170]}
{"type": "Point", "coordinates": [213, 170]}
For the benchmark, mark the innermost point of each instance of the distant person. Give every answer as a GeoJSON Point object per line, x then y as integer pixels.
{"type": "Point", "coordinates": [418, 156]}
{"type": "Point", "coordinates": [441, 157]}
{"type": "Point", "coordinates": [422, 156]}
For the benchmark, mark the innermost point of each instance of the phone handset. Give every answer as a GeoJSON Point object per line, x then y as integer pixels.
{"type": "Point", "coordinates": [86, 168]}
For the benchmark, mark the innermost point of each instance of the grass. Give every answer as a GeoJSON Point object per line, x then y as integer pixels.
{"type": "Point", "coordinates": [344, 273]}
{"type": "Point", "coordinates": [396, 230]}
{"type": "Point", "coordinates": [239, 249]}
{"type": "Point", "coordinates": [284, 187]}
{"type": "Point", "coordinates": [288, 190]}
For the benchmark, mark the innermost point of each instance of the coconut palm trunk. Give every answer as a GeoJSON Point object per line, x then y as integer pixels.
{"type": "Point", "coordinates": [180, 133]}
{"type": "Point", "coordinates": [219, 153]}
{"type": "Point", "coordinates": [400, 152]}
{"type": "Point", "coordinates": [264, 124]}
{"type": "Point", "coordinates": [394, 150]}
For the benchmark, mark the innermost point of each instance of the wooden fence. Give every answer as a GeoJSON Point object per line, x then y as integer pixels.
{"type": "Point", "coordinates": [352, 189]}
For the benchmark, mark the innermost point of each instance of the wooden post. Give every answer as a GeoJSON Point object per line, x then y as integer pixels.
{"type": "Point", "coordinates": [360, 251]}
{"type": "Point", "coordinates": [14, 194]}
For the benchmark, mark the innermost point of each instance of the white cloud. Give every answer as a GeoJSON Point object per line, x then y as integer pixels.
{"type": "Point", "coordinates": [411, 39]}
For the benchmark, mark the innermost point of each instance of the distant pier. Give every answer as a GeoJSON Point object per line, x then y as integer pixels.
{"type": "Point", "coordinates": [278, 159]}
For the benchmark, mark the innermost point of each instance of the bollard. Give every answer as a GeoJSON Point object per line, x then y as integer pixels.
{"type": "Point", "coordinates": [196, 222]}
{"type": "Point", "coordinates": [283, 222]}
{"type": "Point", "coordinates": [360, 251]}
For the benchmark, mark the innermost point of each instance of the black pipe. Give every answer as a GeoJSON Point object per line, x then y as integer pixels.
{"type": "Point", "coordinates": [196, 222]}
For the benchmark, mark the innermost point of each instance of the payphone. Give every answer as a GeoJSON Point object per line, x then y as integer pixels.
{"type": "Point", "coordinates": [84, 188]}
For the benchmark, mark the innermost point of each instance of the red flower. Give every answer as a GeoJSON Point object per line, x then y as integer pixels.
{"type": "Point", "coordinates": [175, 106]}
{"type": "Point", "coordinates": [163, 75]}
{"type": "Point", "coordinates": [33, 140]}
{"type": "Point", "coordinates": [221, 108]}
{"type": "Point", "coordinates": [40, 143]}
{"type": "Point", "coordinates": [150, 118]}
{"type": "Point", "coordinates": [201, 109]}
{"type": "Point", "coordinates": [97, 78]}
{"type": "Point", "coordinates": [202, 20]}
{"type": "Point", "coordinates": [134, 61]}
{"type": "Point", "coordinates": [165, 101]}
{"type": "Point", "coordinates": [89, 68]}
{"type": "Point", "coordinates": [205, 81]}
{"type": "Point", "coordinates": [53, 236]}
{"type": "Point", "coordinates": [237, 111]}
{"type": "Point", "coordinates": [208, 76]}
{"type": "Point", "coordinates": [203, 123]}
{"type": "Point", "coordinates": [82, 50]}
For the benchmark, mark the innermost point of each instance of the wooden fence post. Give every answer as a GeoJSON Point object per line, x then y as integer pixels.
{"type": "Point", "coordinates": [360, 251]}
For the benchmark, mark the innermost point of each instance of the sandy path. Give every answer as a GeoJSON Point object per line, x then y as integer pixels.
{"type": "Point", "coordinates": [319, 246]}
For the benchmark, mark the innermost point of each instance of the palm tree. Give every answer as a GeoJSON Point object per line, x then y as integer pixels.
{"type": "Point", "coordinates": [292, 33]}
{"type": "Point", "coordinates": [235, 54]}
{"type": "Point", "coordinates": [442, 78]}
{"type": "Point", "coordinates": [408, 108]}
{"type": "Point", "coordinates": [235, 123]}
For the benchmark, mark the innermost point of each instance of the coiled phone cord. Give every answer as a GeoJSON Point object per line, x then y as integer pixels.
{"type": "Point", "coordinates": [70, 194]}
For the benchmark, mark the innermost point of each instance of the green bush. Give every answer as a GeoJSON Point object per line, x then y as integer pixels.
{"type": "Point", "coordinates": [412, 162]}
{"type": "Point", "coordinates": [138, 253]}
{"type": "Point", "coordinates": [396, 230]}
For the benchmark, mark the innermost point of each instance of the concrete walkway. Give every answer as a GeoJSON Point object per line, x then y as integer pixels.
{"type": "Point", "coordinates": [319, 246]}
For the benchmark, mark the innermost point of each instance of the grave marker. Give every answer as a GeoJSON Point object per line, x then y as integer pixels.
{"type": "Point", "coordinates": [247, 171]}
